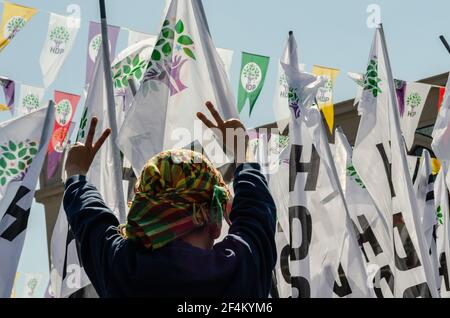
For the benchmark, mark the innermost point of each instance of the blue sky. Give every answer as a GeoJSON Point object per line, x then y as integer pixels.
{"type": "Point", "coordinates": [330, 33]}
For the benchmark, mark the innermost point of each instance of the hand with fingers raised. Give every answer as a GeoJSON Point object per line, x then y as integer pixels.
{"type": "Point", "coordinates": [231, 133]}
{"type": "Point", "coordinates": [80, 156]}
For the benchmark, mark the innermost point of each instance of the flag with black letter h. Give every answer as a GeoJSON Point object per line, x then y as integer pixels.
{"type": "Point", "coordinates": [325, 260]}
{"type": "Point", "coordinates": [379, 158]}
{"type": "Point", "coordinates": [24, 143]}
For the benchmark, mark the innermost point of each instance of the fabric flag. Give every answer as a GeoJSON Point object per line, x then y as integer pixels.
{"type": "Point", "coordinates": [279, 186]}
{"type": "Point", "coordinates": [130, 64]}
{"type": "Point", "coordinates": [94, 44]}
{"type": "Point", "coordinates": [372, 231]}
{"type": "Point", "coordinates": [441, 132]}
{"type": "Point", "coordinates": [67, 273]}
{"type": "Point", "coordinates": [325, 94]}
{"type": "Point", "coordinates": [14, 19]}
{"type": "Point", "coordinates": [61, 35]}
{"type": "Point", "coordinates": [9, 88]}
{"type": "Point", "coordinates": [359, 80]}
{"type": "Point", "coordinates": [415, 96]}
{"type": "Point", "coordinates": [280, 103]}
{"type": "Point", "coordinates": [32, 283]}
{"type": "Point", "coordinates": [184, 72]}
{"type": "Point", "coordinates": [443, 231]}
{"type": "Point", "coordinates": [227, 58]}
{"type": "Point", "coordinates": [30, 99]}
{"type": "Point", "coordinates": [441, 97]}
{"type": "Point", "coordinates": [325, 258]}
{"type": "Point", "coordinates": [379, 158]}
{"type": "Point", "coordinates": [251, 79]}
{"type": "Point", "coordinates": [424, 190]}
{"type": "Point", "coordinates": [136, 37]}
{"type": "Point", "coordinates": [23, 142]}
{"type": "Point", "coordinates": [65, 108]}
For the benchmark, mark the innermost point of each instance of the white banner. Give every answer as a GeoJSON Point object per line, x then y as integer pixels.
{"type": "Point", "coordinates": [373, 233]}
{"type": "Point", "coordinates": [30, 99]}
{"type": "Point", "coordinates": [61, 35]}
{"type": "Point", "coordinates": [24, 143]}
{"type": "Point", "coordinates": [379, 158]}
{"type": "Point", "coordinates": [325, 258]}
{"type": "Point", "coordinates": [185, 71]}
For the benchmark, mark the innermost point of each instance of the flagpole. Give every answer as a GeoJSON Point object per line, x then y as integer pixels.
{"type": "Point", "coordinates": [112, 112]}
{"type": "Point", "coordinates": [444, 41]}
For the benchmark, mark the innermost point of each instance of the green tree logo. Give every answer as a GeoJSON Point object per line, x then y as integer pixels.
{"type": "Point", "coordinates": [172, 50]}
{"type": "Point", "coordinates": [31, 102]}
{"type": "Point", "coordinates": [60, 35]}
{"type": "Point", "coordinates": [94, 46]}
{"type": "Point", "coordinates": [294, 101]}
{"type": "Point", "coordinates": [413, 100]}
{"type": "Point", "coordinates": [63, 112]}
{"type": "Point", "coordinates": [13, 26]}
{"type": "Point", "coordinates": [439, 215]}
{"type": "Point", "coordinates": [351, 172]}
{"type": "Point", "coordinates": [251, 77]}
{"type": "Point", "coordinates": [32, 284]}
{"type": "Point", "coordinates": [131, 67]}
{"type": "Point", "coordinates": [15, 158]}
{"type": "Point", "coordinates": [83, 123]}
{"type": "Point", "coordinates": [371, 79]}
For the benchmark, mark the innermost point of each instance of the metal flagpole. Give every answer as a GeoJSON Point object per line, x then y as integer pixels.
{"type": "Point", "coordinates": [444, 41]}
{"type": "Point", "coordinates": [112, 112]}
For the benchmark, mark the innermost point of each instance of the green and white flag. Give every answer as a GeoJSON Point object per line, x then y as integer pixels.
{"type": "Point", "coordinates": [61, 35]}
{"type": "Point", "coordinates": [379, 158]}
{"type": "Point", "coordinates": [251, 81]}
{"type": "Point", "coordinates": [30, 99]}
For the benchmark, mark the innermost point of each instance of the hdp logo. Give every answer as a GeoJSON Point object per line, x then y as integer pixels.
{"type": "Point", "coordinates": [13, 26]}
{"type": "Point", "coordinates": [60, 36]}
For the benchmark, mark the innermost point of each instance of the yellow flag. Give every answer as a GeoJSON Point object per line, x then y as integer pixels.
{"type": "Point", "coordinates": [325, 94]}
{"type": "Point", "coordinates": [14, 19]}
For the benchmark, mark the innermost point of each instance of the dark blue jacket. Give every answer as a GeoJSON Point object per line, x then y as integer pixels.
{"type": "Point", "coordinates": [239, 266]}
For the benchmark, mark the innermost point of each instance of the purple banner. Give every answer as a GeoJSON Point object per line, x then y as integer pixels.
{"type": "Point", "coordinates": [54, 158]}
{"type": "Point", "coordinates": [400, 88]}
{"type": "Point", "coordinates": [8, 89]}
{"type": "Point", "coordinates": [94, 43]}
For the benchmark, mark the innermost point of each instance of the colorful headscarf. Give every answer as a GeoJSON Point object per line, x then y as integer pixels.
{"type": "Point", "coordinates": [178, 192]}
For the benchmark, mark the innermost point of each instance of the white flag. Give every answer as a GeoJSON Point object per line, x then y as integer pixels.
{"type": "Point", "coordinates": [32, 282]}
{"type": "Point", "coordinates": [380, 160]}
{"type": "Point", "coordinates": [130, 64]}
{"type": "Point", "coordinates": [30, 99]}
{"type": "Point", "coordinates": [227, 58]}
{"type": "Point", "coordinates": [414, 101]}
{"type": "Point", "coordinates": [359, 80]}
{"type": "Point", "coordinates": [23, 142]}
{"type": "Point", "coordinates": [373, 233]}
{"type": "Point", "coordinates": [61, 35]}
{"type": "Point", "coordinates": [443, 231]}
{"type": "Point", "coordinates": [67, 274]}
{"type": "Point", "coordinates": [424, 190]}
{"type": "Point", "coordinates": [280, 100]}
{"type": "Point", "coordinates": [136, 37]}
{"type": "Point", "coordinates": [325, 258]}
{"type": "Point", "coordinates": [185, 71]}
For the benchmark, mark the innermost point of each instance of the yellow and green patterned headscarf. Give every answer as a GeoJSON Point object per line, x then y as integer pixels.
{"type": "Point", "coordinates": [178, 192]}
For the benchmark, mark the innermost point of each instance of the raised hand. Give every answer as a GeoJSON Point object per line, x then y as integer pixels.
{"type": "Point", "coordinates": [80, 155]}
{"type": "Point", "coordinates": [225, 130]}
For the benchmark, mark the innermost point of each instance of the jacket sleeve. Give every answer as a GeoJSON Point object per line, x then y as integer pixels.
{"type": "Point", "coordinates": [95, 229]}
{"type": "Point", "coordinates": [253, 218]}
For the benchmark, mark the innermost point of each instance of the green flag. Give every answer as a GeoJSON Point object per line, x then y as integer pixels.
{"type": "Point", "coordinates": [253, 73]}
